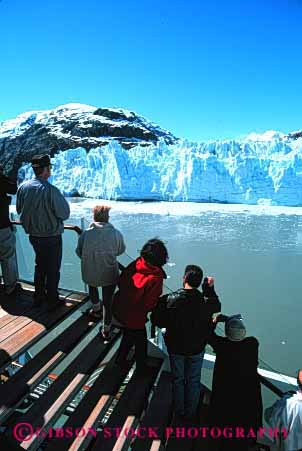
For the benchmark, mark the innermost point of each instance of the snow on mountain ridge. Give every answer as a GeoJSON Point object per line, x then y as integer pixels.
{"type": "Point", "coordinates": [269, 135]}
{"type": "Point", "coordinates": [80, 111]}
{"type": "Point", "coordinates": [73, 111]}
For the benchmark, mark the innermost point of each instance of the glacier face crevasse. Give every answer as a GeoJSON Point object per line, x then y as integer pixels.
{"type": "Point", "coordinates": [250, 171]}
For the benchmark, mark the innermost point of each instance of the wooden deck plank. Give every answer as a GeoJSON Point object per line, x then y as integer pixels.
{"type": "Point", "coordinates": [55, 410]}
{"type": "Point", "coordinates": [93, 404]}
{"type": "Point", "coordinates": [6, 318]}
{"type": "Point", "coordinates": [30, 333]}
{"type": "Point", "coordinates": [159, 413]}
{"type": "Point", "coordinates": [19, 385]}
{"type": "Point", "coordinates": [47, 408]}
{"type": "Point", "coordinates": [155, 446]}
{"type": "Point", "coordinates": [131, 403]}
{"type": "Point", "coordinates": [13, 308]}
{"type": "Point", "coordinates": [3, 313]}
{"type": "Point", "coordinates": [12, 327]}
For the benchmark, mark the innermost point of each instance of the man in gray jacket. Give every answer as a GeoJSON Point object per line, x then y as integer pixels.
{"type": "Point", "coordinates": [42, 209]}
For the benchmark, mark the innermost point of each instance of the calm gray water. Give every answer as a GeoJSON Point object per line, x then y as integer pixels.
{"type": "Point", "coordinates": [255, 255]}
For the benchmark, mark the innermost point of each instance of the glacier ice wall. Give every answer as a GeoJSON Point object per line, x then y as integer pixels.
{"type": "Point", "coordinates": [250, 171]}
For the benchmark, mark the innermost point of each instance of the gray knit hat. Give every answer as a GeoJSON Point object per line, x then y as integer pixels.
{"type": "Point", "coordinates": [234, 328]}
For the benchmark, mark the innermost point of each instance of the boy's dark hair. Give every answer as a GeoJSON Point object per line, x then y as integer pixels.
{"type": "Point", "coordinates": [193, 275]}
{"type": "Point", "coordinates": [155, 252]}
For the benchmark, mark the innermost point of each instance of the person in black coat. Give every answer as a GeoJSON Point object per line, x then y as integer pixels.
{"type": "Point", "coordinates": [236, 394]}
{"type": "Point", "coordinates": [186, 315]}
{"type": "Point", "coordinates": [7, 236]}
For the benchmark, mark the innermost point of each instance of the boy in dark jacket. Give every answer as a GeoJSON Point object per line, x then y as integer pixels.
{"type": "Point", "coordinates": [187, 316]}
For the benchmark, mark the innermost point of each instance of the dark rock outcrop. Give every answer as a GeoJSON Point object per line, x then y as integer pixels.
{"type": "Point", "coordinates": [295, 135]}
{"type": "Point", "coordinates": [71, 126]}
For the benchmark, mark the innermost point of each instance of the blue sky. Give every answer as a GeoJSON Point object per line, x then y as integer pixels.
{"type": "Point", "coordinates": [202, 69]}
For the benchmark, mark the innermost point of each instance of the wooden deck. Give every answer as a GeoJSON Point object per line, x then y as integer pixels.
{"type": "Point", "coordinates": [22, 325]}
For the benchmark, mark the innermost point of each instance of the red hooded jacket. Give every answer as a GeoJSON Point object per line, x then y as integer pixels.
{"type": "Point", "coordinates": [140, 287]}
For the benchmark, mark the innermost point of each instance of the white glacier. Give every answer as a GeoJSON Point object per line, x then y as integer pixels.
{"type": "Point", "coordinates": [259, 169]}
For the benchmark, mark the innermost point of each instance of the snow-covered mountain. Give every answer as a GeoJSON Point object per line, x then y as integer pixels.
{"type": "Point", "coordinates": [70, 126]}
{"type": "Point", "coordinates": [149, 163]}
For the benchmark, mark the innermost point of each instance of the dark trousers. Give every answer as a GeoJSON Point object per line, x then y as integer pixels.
{"type": "Point", "coordinates": [48, 252]}
{"type": "Point", "coordinates": [138, 339]}
{"type": "Point", "coordinates": [107, 295]}
{"type": "Point", "coordinates": [186, 374]}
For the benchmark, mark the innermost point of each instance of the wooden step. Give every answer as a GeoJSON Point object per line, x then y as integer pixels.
{"type": "Point", "coordinates": [25, 380]}
{"type": "Point", "coordinates": [129, 409]}
{"type": "Point", "coordinates": [93, 406]}
{"type": "Point", "coordinates": [51, 405]}
{"type": "Point", "coordinates": [158, 415]}
{"type": "Point", "coordinates": [21, 333]}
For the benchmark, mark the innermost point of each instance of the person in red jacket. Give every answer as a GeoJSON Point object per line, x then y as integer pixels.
{"type": "Point", "coordinates": [140, 287]}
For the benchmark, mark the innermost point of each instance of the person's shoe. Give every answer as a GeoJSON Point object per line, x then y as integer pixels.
{"type": "Point", "coordinates": [4, 376]}
{"type": "Point", "coordinates": [141, 368]}
{"type": "Point", "coordinates": [105, 332]}
{"type": "Point", "coordinates": [180, 419]}
{"type": "Point", "coordinates": [54, 304]}
{"type": "Point", "coordinates": [95, 315]}
{"type": "Point", "coordinates": [13, 289]}
{"type": "Point", "coordinates": [121, 364]}
{"type": "Point", "coordinates": [38, 300]}
{"type": "Point", "coordinates": [190, 420]}
{"type": "Point", "coordinates": [116, 323]}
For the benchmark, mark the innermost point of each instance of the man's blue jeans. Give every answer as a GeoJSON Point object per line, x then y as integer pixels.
{"type": "Point", "coordinates": [186, 373]}
{"type": "Point", "coordinates": [48, 252]}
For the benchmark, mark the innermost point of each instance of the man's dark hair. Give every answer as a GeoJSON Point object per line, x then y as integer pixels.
{"type": "Point", "coordinates": [193, 275]}
{"type": "Point", "coordinates": [155, 252]}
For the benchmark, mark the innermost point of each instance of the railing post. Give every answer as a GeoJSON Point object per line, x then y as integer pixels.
{"type": "Point", "coordinates": [83, 228]}
{"type": "Point", "coordinates": [12, 216]}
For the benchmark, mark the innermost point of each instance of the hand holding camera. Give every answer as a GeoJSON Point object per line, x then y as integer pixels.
{"type": "Point", "coordinates": [207, 283]}
{"type": "Point", "coordinates": [220, 318]}
{"type": "Point", "coordinates": [210, 281]}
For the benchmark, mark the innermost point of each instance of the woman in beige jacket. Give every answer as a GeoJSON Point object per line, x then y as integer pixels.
{"type": "Point", "coordinates": [98, 247]}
